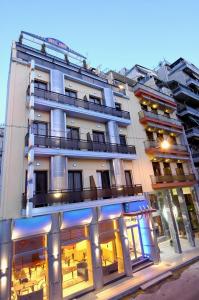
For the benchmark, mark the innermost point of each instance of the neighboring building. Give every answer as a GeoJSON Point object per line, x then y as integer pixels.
{"type": "Point", "coordinates": [1, 148]}
{"type": "Point", "coordinates": [163, 145]}
{"type": "Point", "coordinates": [73, 215]}
{"type": "Point", "coordinates": [183, 79]}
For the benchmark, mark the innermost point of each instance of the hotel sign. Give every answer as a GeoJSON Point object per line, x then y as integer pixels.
{"type": "Point", "coordinates": [56, 43]}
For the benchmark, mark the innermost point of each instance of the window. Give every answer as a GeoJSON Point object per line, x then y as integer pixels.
{"type": "Point", "coordinates": [110, 245]}
{"type": "Point", "coordinates": [95, 100]}
{"type": "Point", "coordinates": [75, 180]}
{"type": "Point", "coordinates": [154, 110]}
{"type": "Point", "coordinates": [149, 135]}
{"type": "Point", "coordinates": [122, 139]}
{"type": "Point", "coordinates": [166, 114]}
{"type": "Point", "coordinates": [156, 168]}
{"type": "Point", "coordinates": [72, 133]}
{"type": "Point", "coordinates": [40, 128]}
{"type": "Point", "coordinates": [128, 178]}
{"type": "Point", "coordinates": [98, 136]}
{"type": "Point", "coordinates": [30, 268]}
{"type": "Point", "coordinates": [144, 107]}
{"type": "Point", "coordinates": [76, 260]}
{"type": "Point", "coordinates": [40, 85]}
{"type": "Point", "coordinates": [71, 93]}
{"type": "Point", "coordinates": [118, 106]}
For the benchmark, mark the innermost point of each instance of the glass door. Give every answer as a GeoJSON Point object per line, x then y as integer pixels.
{"type": "Point", "coordinates": [135, 244]}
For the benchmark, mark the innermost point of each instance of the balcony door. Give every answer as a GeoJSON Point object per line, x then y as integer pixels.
{"type": "Point", "coordinates": [156, 168]}
{"type": "Point", "coordinates": [75, 180]}
{"type": "Point", "coordinates": [122, 139]}
{"type": "Point", "coordinates": [72, 133]}
{"type": "Point", "coordinates": [167, 168]}
{"type": "Point", "coordinates": [103, 179]}
{"type": "Point", "coordinates": [179, 170]}
{"type": "Point", "coordinates": [128, 178]}
{"type": "Point", "coordinates": [98, 137]}
{"type": "Point", "coordinates": [40, 182]}
{"type": "Point", "coordinates": [40, 128]}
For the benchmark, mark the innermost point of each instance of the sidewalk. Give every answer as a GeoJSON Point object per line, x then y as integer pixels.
{"type": "Point", "coordinates": [170, 261]}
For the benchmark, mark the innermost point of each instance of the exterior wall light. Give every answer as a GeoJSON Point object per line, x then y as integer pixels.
{"type": "Point", "coordinates": [57, 195]}
{"type": "Point", "coordinates": [165, 145]}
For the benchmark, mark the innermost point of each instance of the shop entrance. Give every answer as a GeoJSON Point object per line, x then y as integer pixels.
{"type": "Point", "coordinates": [135, 244]}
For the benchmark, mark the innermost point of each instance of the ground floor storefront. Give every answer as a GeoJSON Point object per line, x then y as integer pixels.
{"type": "Point", "coordinates": [176, 214]}
{"type": "Point", "coordinates": [63, 255]}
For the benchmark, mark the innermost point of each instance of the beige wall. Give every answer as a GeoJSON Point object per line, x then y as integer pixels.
{"type": "Point", "coordinates": [13, 165]}
{"type": "Point", "coordinates": [82, 90]}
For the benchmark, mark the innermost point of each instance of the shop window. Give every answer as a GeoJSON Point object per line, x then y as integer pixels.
{"type": "Point", "coordinates": [111, 250]}
{"type": "Point", "coordinates": [75, 260]}
{"type": "Point", "coordinates": [30, 268]}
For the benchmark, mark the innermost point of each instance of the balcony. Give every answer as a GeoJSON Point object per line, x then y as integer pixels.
{"type": "Point", "coordinates": [192, 133]}
{"type": "Point", "coordinates": [153, 95]}
{"type": "Point", "coordinates": [182, 93]}
{"type": "Point", "coordinates": [177, 151]}
{"type": "Point", "coordinates": [147, 117]}
{"type": "Point", "coordinates": [192, 81]}
{"type": "Point", "coordinates": [182, 64]}
{"type": "Point", "coordinates": [47, 100]}
{"type": "Point", "coordinates": [52, 145]}
{"type": "Point", "coordinates": [195, 156]}
{"type": "Point", "coordinates": [84, 195]}
{"type": "Point", "coordinates": [172, 181]}
{"type": "Point", "coordinates": [184, 110]}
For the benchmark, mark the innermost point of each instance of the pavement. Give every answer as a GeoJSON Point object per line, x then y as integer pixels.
{"type": "Point", "coordinates": [182, 285]}
{"type": "Point", "coordinates": [170, 262]}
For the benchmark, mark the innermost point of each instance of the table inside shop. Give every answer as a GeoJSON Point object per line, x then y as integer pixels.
{"type": "Point", "coordinates": [68, 270]}
{"type": "Point", "coordinates": [25, 286]}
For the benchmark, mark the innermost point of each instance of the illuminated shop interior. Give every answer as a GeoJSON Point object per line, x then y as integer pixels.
{"type": "Point", "coordinates": [30, 271]}
{"type": "Point", "coordinates": [111, 250]}
{"type": "Point", "coordinates": [75, 260]}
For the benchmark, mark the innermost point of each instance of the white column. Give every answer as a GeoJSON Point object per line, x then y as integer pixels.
{"type": "Point", "coordinates": [125, 247]}
{"type": "Point", "coordinates": [96, 251]}
{"type": "Point", "coordinates": [54, 260]}
{"type": "Point", "coordinates": [112, 127]}
{"type": "Point", "coordinates": [172, 222]}
{"type": "Point", "coordinates": [185, 217]}
{"type": "Point", "coordinates": [59, 164]}
{"type": "Point", "coordinates": [30, 173]}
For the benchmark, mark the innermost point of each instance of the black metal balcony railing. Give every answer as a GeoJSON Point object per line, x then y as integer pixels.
{"type": "Point", "coordinates": [69, 196]}
{"type": "Point", "coordinates": [144, 113]}
{"type": "Point", "coordinates": [157, 145]}
{"type": "Point", "coordinates": [64, 143]}
{"type": "Point", "coordinates": [192, 131]}
{"type": "Point", "coordinates": [172, 178]}
{"type": "Point", "coordinates": [61, 98]}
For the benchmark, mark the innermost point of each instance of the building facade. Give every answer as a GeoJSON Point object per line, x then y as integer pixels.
{"type": "Point", "coordinates": [95, 166]}
{"type": "Point", "coordinates": [73, 213]}
{"type": "Point", "coordinates": [182, 77]}
{"type": "Point", "coordinates": [164, 143]}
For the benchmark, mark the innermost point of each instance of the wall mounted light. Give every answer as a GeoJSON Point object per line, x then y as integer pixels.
{"type": "Point", "coordinates": [165, 145]}
{"type": "Point", "coordinates": [74, 165]}
{"type": "Point", "coordinates": [38, 115]}
{"type": "Point", "coordinates": [37, 164]}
